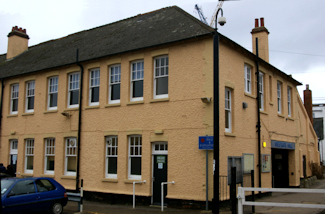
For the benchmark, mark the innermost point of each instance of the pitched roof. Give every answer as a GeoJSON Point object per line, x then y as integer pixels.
{"type": "Point", "coordinates": [162, 26]}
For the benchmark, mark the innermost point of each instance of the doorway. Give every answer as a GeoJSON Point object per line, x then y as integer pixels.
{"type": "Point", "coordinates": [160, 169]}
{"type": "Point", "coordinates": [280, 168]}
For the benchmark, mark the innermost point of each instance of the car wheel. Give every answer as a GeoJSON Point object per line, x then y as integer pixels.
{"type": "Point", "coordinates": [56, 208]}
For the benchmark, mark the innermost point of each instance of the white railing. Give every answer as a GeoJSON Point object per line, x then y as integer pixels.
{"type": "Point", "coordinates": [162, 193]}
{"type": "Point", "coordinates": [136, 182]}
{"type": "Point", "coordinates": [242, 201]}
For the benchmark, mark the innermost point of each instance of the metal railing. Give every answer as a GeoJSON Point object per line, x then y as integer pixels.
{"type": "Point", "coordinates": [242, 201]}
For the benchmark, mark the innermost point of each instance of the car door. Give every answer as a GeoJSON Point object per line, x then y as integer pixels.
{"type": "Point", "coordinates": [47, 193]}
{"type": "Point", "coordinates": [22, 197]}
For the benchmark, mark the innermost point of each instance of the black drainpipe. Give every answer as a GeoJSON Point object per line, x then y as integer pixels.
{"type": "Point", "coordinates": [79, 121]}
{"type": "Point", "coordinates": [258, 126]}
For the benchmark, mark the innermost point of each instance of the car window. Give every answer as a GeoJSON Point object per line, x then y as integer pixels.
{"type": "Point", "coordinates": [44, 185]}
{"type": "Point", "coordinates": [23, 187]}
{"type": "Point", "coordinates": [5, 184]}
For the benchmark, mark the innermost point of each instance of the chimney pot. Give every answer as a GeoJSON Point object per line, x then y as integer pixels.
{"type": "Point", "coordinates": [262, 22]}
{"type": "Point", "coordinates": [307, 86]}
{"type": "Point", "coordinates": [256, 22]}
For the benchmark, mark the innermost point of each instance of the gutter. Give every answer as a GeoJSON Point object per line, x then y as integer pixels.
{"type": "Point", "coordinates": [258, 126]}
{"type": "Point", "coordinates": [79, 120]}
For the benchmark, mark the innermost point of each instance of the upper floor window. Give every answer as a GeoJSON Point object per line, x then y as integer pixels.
{"type": "Point", "coordinates": [161, 77]}
{"type": "Point", "coordinates": [94, 87]}
{"type": "Point", "coordinates": [248, 79]}
{"type": "Point", "coordinates": [289, 102]}
{"type": "Point", "coordinates": [70, 156]}
{"type": "Point", "coordinates": [29, 156]}
{"type": "Point", "coordinates": [137, 69]}
{"type": "Point", "coordinates": [14, 98]}
{"type": "Point", "coordinates": [228, 112]}
{"type": "Point", "coordinates": [52, 100]}
{"type": "Point", "coordinates": [279, 97]}
{"type": "Point", "coordinates": [30, 96]}
{"type": "Point", "coordinates": [135, 156]}
{"type": "Point", "coordinates": [114, 84]}
{"type": "Point", "coordinates": [49, 155]}
{"type": "Point", "coordinates": [73, 90]}
{"type": "Point", "coordinates": [261, 90]}
{"type": "Point", "coordinates": [111, 156]}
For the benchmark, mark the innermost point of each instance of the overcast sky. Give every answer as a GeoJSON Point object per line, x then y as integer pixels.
{"type": "Point", "coordinates": [296, 39]}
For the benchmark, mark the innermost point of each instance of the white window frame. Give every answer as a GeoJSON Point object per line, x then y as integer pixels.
{"type": "Point", "coordinates": [279, 96]}
{"type": "Point", "coordinates": [70, 151]}
{"type": "Point", "coordinates": [111, 152]}
{"type": "Point", "coordinates": [52, 89]}
{"type": "Point", "coordinates": [49, 152]}
{"type": "Point", "coordinates": [114, 79]}
{"type": "Point", "coordinates": [160, 148]}
{"type": "Point", "coordinates": [73, 85]}
{"type": "Point", "coordinates": [132, 149]}
{"type": "Point", "coordinates": [13, 150]}
{"type": "Point", "coordinates": [248, 79]}
{"type": "Point", "coordinates": [163, 72]}
{"type": "Point", "coordinates": [14, 94]}
{"type": "Point", "coordinates": [289, 101]}
{"type": "Point", "coordinates": [136, 78]}
{"type": "Point", "coordinates": [261, 90]}
{"type": "Point", "coordinates": [94, 82]}
{"type": "Point", "coordinates": [228, 110]}
{"type": "Point", "coordinates": [29, 152]}
{"type": "Point", "coordinates": [30, 93]}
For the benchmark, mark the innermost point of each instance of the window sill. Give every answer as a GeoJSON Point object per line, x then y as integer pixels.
{"type": "Point", "coordinates": [28, 114]}
{"type": "Point", "coordinates": [159, 100]}
{"type": "Point", "coordinates": [271, 103]}
{"type": "Point", "coordinates": [264, 112]}
{"type": "Point", "coordinates": [68, 177]}
{"type": "Point", "coordinates": [12, 115]}
{"type": "Point", "coordinates": [112, 105]}
{"type": "Point", "coordinates": [71, 109]}
{"type": "Point", "coordinates": [249, 95]}
{"type": "Point", "coordinates": [92, 107]}
{"type": "Point", "coordinates": [47, 175]}
{"type": "Point", "coordinates": [129, 181]}
{"type": "Point", "coordinates": [110, 180]}
{"type": "Point", "coordinates": [135, 102]}
{"type": "Point", "coordinates": [281, 115]}
{"type": "Point", "coordinates": [228, 134]}
{"type": "Point", "coordinates": [27, 175]}
{"type": "Point", "coordinates": [290, 118]}
{"type": "Point", "coordinates": [50, 111]}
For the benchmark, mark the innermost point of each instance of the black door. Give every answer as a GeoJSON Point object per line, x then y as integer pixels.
{"type": "Point", "coordinates": [280, 169]}
{"type": "Point", "coordinates": [160, 175]}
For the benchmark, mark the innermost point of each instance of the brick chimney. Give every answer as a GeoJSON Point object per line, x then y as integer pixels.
{"type": "Point", "coordinates": [17, 42]}
{"type": "Point", "coordinates": [262, 34]}
{"type": "Point", "coordinates": [308, 103]}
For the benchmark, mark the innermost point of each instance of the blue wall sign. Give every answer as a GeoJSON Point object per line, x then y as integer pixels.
{"type": "Point", "coordinates": [206, 142]}
{"type": "Point", "coordinates": [282, 145]}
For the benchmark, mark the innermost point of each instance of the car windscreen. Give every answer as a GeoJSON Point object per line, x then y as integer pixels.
{"type": "Point", "coordinates": [5, 184]}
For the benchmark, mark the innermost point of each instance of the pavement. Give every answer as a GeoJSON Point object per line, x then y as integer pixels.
{"type": "Point", "coordinates": [90, 207]}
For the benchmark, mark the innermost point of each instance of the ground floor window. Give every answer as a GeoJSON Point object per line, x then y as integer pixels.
{"type": "Point", "coordinates": [135, 156]}
{"type": "Point", "coordinates": [49, 155]}
{"type": "Point", "coordinates": [29, 156]}
{"type": "Point", "coordinates": [111, 156]}
{"type": "Point", "coordinates": [70, 156]}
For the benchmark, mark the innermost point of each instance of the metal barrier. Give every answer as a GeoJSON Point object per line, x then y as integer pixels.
{"type": "Point", "coordinates": [162, 193]}
{"type": "Point", "coordinates": [136, 182]}
{"type": "Point", "coordinates": [242, 201]}
{"type": "Point", "coordinates": [77, 197]}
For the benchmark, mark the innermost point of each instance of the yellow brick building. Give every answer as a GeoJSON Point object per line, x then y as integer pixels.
{"type": "Point", "coordinates": [143, 81]}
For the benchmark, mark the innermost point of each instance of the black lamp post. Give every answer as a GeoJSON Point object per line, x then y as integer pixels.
{"type": "Point", "coordinates": [216, 153]}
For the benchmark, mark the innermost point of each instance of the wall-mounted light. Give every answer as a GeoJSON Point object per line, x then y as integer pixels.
{"type": "Point", "coordinates": [66, 114]}
{"type": "Point", "coordinates": [206, 99]}
{"type": "Point", "coordinates": [245, 105]}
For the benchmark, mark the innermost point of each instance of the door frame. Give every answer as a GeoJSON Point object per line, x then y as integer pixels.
{"type": "Point", "coordinates": [153, 154]}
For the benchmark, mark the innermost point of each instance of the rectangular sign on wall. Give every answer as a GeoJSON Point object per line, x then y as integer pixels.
{"type": "Point", "coordinates": [206, 142]}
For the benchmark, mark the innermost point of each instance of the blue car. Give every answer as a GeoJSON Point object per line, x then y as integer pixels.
{"type": "Point", "coordinates": [23, 195]}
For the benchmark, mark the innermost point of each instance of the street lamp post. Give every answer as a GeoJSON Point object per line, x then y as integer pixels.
{"type": "Point", "coordinates": [216, 151]}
